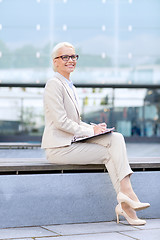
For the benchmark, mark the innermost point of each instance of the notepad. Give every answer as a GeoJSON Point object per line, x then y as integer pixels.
{"type": "Point", "coordinates": [108, 130]}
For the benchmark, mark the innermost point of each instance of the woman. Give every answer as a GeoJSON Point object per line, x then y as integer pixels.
{"type": "Point", "coordinates": [63, 124]}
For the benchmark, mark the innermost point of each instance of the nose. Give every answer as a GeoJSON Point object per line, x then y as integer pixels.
{"type": "Point", "coordinates": [70, 58]}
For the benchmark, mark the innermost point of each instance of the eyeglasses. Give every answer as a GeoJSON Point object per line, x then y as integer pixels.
{"type": "Point", "coordinates": [67, 57]}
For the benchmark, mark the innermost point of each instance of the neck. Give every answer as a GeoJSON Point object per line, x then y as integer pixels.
{"type": "Point", "coordinates": [66, 75]}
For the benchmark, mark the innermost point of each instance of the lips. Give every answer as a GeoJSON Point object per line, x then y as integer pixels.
{"type": "Point", "coordinates": [70, 65]}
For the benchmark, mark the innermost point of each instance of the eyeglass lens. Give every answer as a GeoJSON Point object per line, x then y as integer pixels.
{"type": "Point", "coordinates": [67, 57]}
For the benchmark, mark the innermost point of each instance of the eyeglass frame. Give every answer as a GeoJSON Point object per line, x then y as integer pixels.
{"type": "Point", "coordinates": [70, 56]}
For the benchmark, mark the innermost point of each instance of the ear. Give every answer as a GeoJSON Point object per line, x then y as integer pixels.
{"type": "Point", "coordinates": [55, 62]}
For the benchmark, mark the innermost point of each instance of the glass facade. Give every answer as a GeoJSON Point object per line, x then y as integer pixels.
{"type": "Point", "coordinates": [117, 40]}
{"type": "Point", "coordinates": [118, 43]}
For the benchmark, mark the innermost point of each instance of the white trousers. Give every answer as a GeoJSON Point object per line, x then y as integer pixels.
{"type": "Point", "coordinates": [108, 149]}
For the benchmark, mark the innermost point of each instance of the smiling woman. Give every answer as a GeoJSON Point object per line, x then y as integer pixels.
{"type": "Point", "coordinates": [63, 125]}
{"type": "Point", "coordinates": [65, 59]}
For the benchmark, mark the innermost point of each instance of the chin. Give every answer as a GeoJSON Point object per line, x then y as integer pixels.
{"type": "Point", "coordinates": [71, 70]}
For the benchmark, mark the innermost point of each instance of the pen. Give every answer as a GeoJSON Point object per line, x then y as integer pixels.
{"type": "Point", "coordinates": [93, 124]}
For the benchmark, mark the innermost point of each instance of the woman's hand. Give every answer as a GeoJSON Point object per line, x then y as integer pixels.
{"type": "Point", "coordinates": [100, 128]}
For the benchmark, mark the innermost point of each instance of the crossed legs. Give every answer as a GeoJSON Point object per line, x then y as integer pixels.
{"type": "Point", "coordinates": [109, 149]}
{"type": "Point", "coordinates": [119, 169]}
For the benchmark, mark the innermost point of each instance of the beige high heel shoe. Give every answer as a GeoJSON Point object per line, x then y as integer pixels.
{"type": "Point", "coordinates": [121, 197]}
{"type": "Point", "coordinates": [131, 221]}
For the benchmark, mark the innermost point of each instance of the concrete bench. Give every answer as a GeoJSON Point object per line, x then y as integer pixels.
{"type": "Point", "coordinates": [34, 192]}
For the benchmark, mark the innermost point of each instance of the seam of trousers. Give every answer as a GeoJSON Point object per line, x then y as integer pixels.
{"type": "Point", "coordinates": [117, 185]}
{"type": "Point", "coordinates": [118, 177]}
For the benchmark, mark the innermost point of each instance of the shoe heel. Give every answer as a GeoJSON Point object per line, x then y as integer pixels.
{"type": "Point", "coordinates": [131, 221]}
{"type": "Point", "coordinates": [117, 218]}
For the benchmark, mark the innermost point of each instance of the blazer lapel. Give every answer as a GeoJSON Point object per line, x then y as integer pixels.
{"type": "Point", "coordinates": [70, 92]}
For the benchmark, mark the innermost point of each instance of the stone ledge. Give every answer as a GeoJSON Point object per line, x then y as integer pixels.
{"type": "Point", "coordinates": [35, 199]}
{"type": "Point", "coordinates": [40, 165]}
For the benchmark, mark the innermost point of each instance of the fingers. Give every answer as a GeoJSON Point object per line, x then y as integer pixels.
{"type": "Point", "coordinates": [103, 126]}
{"type": "Point", "coordinates": [99, 129]}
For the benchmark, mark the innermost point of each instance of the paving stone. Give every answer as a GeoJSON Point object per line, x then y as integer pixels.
{"type": "Point", "coordinates": [101, 227]}
{"type": "Point", "coordinates": [99, 236]}
{"type": "Point", "coordinates": [26, 232]}
{"type": "Point", "coordinates": [113, 231]}
{"type": "Point", "coordinates": [144, 234]}
{"type": "Point", "coordinates": [151, 224]}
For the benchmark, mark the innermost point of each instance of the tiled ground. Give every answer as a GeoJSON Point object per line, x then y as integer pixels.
{"type": "Point", "coordinates": [85, 231]}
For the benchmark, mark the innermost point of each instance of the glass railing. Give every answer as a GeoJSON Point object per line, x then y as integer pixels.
{"type": "Point", "coordinates": [133, 112]}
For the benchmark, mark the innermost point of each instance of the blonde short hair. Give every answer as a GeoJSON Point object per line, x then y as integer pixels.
{"type": "Point", "coordinates": [56, 49]}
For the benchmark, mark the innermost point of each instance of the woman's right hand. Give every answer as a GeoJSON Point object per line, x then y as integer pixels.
{"type": "Point", "coordinates": [99, 129]}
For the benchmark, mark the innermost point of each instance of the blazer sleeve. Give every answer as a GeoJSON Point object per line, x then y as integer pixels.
{"type": "Point", "coordinates": [53, 101]}
{"type": "Point", "coordinates": [86, 125]}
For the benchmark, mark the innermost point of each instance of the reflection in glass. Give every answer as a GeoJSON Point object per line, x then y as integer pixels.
{"type": "Point", "coordinates": [119, 45]}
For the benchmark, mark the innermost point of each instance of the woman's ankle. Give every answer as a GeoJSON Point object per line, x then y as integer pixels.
{"type": "Point", "coordinates": [130, 193]}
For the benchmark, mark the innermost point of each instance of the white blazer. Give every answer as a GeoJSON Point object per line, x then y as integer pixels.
{"type": "Point", "coordinates": [62, 115]}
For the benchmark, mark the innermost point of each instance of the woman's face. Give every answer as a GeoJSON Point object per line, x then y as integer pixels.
{"type": "Point", "coordinates": [65, 67]}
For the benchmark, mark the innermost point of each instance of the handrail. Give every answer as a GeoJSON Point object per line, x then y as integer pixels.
{"type": "Point", "coordinates": [84, 85]}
